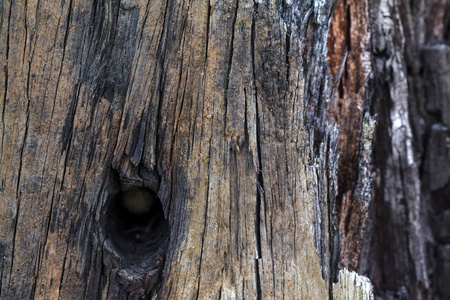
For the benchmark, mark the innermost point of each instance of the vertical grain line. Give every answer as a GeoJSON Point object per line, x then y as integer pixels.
{"type": "Point", "coordinates": [26, 32]}
{"type": "Point", "coordinates": [161, 87]}
{"type": "Point", "coordinates": [63, 268]}
{"type": "Point", "coordinates": [260, 183]}
{"type": "Point", "coordinates": [229, 62]}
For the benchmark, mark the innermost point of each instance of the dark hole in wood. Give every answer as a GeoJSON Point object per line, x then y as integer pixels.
{"type": "Point", "coordinates": [135, 223]}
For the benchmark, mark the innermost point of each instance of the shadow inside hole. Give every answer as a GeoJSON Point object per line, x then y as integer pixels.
{"type": "Point", "coordinates": [135, 223]}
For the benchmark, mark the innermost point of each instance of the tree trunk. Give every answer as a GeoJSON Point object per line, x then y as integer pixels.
{"type": "Point", "coordinates": [179, 150]}
{"type": "Point", "coordinates": [398, 68]}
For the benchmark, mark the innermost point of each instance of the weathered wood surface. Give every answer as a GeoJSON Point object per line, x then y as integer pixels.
{"type": "Point", "coordinates": [217, 106]}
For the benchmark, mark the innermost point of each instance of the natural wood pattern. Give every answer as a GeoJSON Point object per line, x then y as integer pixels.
{"type": "Point", "coordinates": [213, 104]}
{"type": "Point", "coordinates": [226, 110]}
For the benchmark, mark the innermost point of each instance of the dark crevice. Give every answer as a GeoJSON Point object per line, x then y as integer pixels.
{"type": "Point", "coordinates": [27, 124]}
{"type": "Point", "coordinates": [271, 250]}
{"type": "Point", "coordinates": [66, 36]}
{"type": "Point", "coordinates": [28, 86]}
{"type": "Point", "coordinates": [14, 243]}
{"type": "Point", "coordinates": [260, 183]}
{"type": "Point", "coordinates": [68, 126]}
{"type": "Point", "coordinates": [347, 219]}
{"type": "Point", "coordinates": [67, 134]}
{"type": "Point", "coordinates": [101, 271]}
{"type": "Point", "coordinates": [332, 232]}
{"type": "Point", "coordinates": [230, 60]}
{"type": "Point", "coordinates": [288, 50]}
{"type": "Point", "coordinates": [137, 144]}
{"type": "Point", "coordinates": [26, 33]}
{"type": "Point", "coordinates": [63, 270]}
{"type": "Point", "coordinates": [258, 235]}
{"type": "Point", "coordinates": [206, 218]}
{"type": "Point", "coordinates": [208, 20]}
{"type": "Point", "coordinates": [67, 149]}
{"type": "Point", "coordinates": [258, 280]}
{"type": "Point", "coordinates": [319, 230]}
{"type": "Point", "coordinates": [334, 244]}
{"type": "Point", "coordinates": [348, 34]}
{"type": "Point", "coordinates": [259, 194]}
{"type": "Point", "coordinates": [161, 54]}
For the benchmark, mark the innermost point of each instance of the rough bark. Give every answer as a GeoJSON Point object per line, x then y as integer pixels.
{"type": "Point", "coordinates": [349, 57]}
{"type": "Point", "coordinates": [409, 190]}
{"type": "Point", "coordinates": [399, 239]}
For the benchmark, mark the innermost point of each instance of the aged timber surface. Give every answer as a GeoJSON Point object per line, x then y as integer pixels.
{"type": "Point", "coordinates": [216, 106]}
